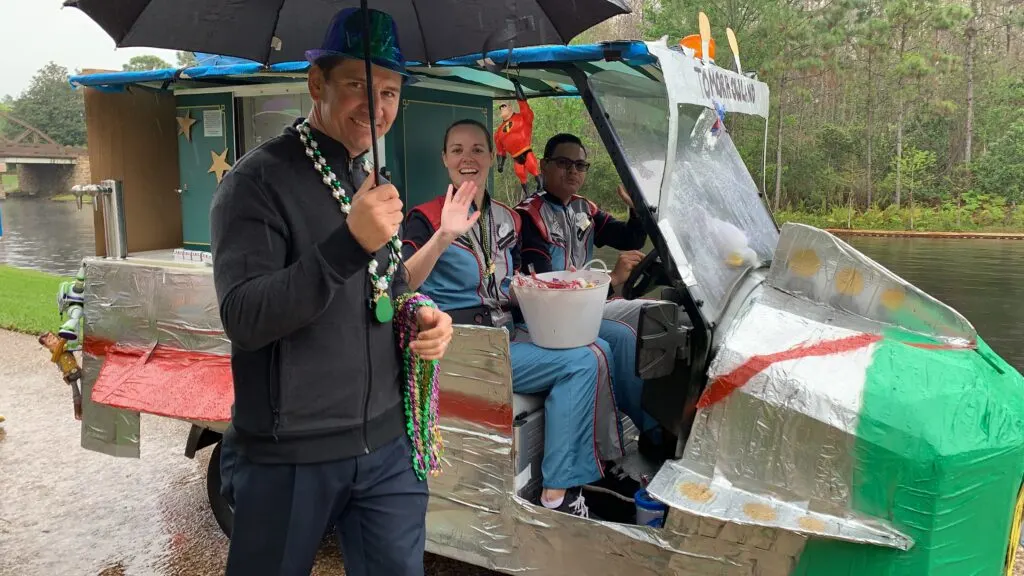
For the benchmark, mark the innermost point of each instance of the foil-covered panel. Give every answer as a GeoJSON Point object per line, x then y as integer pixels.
{"type": "Point", "coordinates": [715, 497]}
{"type": "Point", "coordinates": [136, 302]}
{"type": "Point", "coordinates": [779, 448]}
{"type": "Point", "coordinates": [814, 265]}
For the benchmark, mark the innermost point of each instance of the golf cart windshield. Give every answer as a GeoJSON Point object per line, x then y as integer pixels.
{"type": "Point", "coordinates": [708, 207]}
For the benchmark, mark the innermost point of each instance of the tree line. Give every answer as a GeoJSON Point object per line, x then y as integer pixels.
{"type": "Point", "coordinates": [50, 103]}
{"type": "Point", "coordinates": [884, 113]}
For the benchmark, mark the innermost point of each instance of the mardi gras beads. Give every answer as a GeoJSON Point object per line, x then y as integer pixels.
{"type": "Point", "coordinates": [381, 302]}
{"type": "Point", "coordinates": [421, 390]}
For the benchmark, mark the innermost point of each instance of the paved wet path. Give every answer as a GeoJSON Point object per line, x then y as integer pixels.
{"type": "Point", "coordinates": [71, 512]}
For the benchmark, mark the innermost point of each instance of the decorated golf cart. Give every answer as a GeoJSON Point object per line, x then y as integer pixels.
{"type": "Point", "coordinates": [831, 418]}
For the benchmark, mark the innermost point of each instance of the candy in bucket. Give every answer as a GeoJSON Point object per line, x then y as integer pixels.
{"type": "Point", "coordinates": [562, 309]}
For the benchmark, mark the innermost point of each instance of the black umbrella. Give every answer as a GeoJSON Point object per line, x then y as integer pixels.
{"type": "Point", "coordinates": [272, 31]}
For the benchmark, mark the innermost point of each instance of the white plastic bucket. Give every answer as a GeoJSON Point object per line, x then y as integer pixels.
{"type": "Point", "coordinates": [563, 319]}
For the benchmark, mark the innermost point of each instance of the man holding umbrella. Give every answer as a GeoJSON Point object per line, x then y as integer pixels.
{"type": "Point", "coordinates": [305, 269]}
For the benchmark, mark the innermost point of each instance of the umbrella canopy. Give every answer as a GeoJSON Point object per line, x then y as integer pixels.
{"type": "Point", "coordinates": [273, 31]}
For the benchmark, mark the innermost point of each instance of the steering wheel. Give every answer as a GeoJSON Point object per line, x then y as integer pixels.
{"type": "Point", "coordinates": [645, 274]}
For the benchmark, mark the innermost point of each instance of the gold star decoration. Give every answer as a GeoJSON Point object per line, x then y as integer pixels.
{"type": "Point", "coordinates": [185, 125]}
{"type": "Point", "coordinates": [220, 164]}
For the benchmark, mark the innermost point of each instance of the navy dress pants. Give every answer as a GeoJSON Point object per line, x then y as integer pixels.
{"type": "Point", "coordinates": [282, 512]}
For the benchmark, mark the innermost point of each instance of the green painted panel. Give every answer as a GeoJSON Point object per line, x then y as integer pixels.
{"type": "Point", "coordinates": [940, 455]}
{"type": "Point", "coordinates": [415, 141]}
{"type": "Point", "coordinates": [195, 160]}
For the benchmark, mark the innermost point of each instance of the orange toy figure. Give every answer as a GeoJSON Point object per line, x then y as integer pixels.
{"type": "Point", "coordinates": [67, 365]}
{"type": "Point", "coordinates": [514, 136]}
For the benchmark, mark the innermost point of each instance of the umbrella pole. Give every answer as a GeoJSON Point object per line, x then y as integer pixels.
{"type": "Point", "coordinates": [369, 89]}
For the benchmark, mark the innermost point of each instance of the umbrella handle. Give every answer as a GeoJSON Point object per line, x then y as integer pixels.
{"type": "Point", "coordinates": [369, 91]}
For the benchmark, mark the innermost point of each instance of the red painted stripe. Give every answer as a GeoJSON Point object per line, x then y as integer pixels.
{"type": "Point", "coordinates": [725, 385]}
{"type": "Point", "coordinates": [497, 417]}
{"type": "Point", "coordinates": [168, 384]}
{"type": "Point", "coordinates": [96, 346]}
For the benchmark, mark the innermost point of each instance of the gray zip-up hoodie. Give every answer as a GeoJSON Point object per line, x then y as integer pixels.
{"type": "Point", "coordinates": [315, 377]}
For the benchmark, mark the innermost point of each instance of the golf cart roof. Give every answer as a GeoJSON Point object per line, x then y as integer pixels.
{"type": "Point", "coordinates": [542, 71]}
{"type": "Point", "coordinates": [536, 68]}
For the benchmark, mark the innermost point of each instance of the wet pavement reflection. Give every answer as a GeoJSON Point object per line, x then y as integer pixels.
{"type": "Point", "coordinates": [67, 511]}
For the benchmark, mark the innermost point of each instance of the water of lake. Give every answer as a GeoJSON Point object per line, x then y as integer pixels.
{"type": "Point", "coordinates": [48, 236]}
{"type": "Point", "coordinates": [983, 279]}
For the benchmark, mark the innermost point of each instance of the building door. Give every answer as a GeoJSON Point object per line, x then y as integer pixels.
{"type": "Point", "coordinates": [206, 150]}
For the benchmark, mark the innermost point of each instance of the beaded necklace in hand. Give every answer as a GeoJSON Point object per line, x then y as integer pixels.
{"type": "Point", "coordinates": [421, 392]}
{"type": "Point", "coordinates": [381, 303]}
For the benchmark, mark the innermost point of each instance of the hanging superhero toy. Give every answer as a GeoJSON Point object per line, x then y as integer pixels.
{"type": "Point", "coordinates": [514, 136]}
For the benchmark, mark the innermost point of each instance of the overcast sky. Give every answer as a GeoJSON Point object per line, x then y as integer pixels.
{"type": "Point", "coordinates": [34, 32]}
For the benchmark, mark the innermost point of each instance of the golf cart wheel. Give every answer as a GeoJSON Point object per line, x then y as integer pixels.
{"type": "Point", "coordinates": [222, 510]}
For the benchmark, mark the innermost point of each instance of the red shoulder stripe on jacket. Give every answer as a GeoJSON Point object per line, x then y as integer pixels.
{"type": "Point", "coordinates": [517, 220]}
{"type": "Point", "coordinates": [432, 210]}
{"type": "Point", "coordinates": [531, 206]}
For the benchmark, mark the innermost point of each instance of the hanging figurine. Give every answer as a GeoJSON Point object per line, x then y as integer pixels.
{"type": "Point", "coordinates": [514, 136]}
{"type": "Point", "coordinates": [68, 366]}
{"type": "Point", "coordinates": [70, 299]}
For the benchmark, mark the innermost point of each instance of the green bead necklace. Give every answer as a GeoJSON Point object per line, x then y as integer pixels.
{"type": "Point", "coordinates": [381, 304]}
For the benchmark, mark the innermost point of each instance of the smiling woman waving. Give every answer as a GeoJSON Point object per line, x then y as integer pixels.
{"type": "Point", "coordinates": [461, 249]}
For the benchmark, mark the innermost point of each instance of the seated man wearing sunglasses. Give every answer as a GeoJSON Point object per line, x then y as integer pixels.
{"type": "Point", "coordinates": [560, 229]}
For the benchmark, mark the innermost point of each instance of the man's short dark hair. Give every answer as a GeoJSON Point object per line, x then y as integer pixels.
{"type": "Point", "coordinates": [328, 63]}
{"type": "Point", "coordinates": [469, 122]}
{"type": "Point", "coordinates": [559, 139]}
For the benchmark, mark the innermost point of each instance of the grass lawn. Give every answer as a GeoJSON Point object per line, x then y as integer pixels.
{"type": "Point", "coordinates": [28, 300]}
{"type": "Point", "coordinates": [10, 181]}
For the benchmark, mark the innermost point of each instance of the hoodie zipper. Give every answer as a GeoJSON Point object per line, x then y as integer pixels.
{"type": "Point", "coordinates": [369, 365]}
{"type": "Point", "coordinates": [275, 391]}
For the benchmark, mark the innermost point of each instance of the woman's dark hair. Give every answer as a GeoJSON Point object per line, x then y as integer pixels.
{"type": "Point", "coordinates": [559, 139]}
{"type": "Point", "coordinates": [469, 122]}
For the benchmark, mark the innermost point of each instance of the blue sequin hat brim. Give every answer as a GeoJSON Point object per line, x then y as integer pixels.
{"type": "Point", "coordinates": [344, 38]}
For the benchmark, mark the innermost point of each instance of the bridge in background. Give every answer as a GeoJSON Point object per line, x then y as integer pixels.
{"type": "Point", "coordinates": [43, 166]}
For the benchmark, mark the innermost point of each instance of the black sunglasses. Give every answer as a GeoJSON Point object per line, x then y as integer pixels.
{"type": "Point", "coordinates": [564, 163]}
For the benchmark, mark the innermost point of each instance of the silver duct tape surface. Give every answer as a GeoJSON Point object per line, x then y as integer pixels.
{"type": "Point", "coordinates": [779, 450]}
{"type": "Point", "coordinates": [475, 513]}
{"type": "Point", "coordinates": [814, 265]}
{"type": "Point", "coordinates": [139, 301]}
{"type": "Point", "coordinates": [714, 497]}
{"type": "Point", "coordinates": [478, 512]}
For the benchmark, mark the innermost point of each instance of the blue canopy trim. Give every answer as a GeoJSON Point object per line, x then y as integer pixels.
{"type": "Point", "coordinates": [211, 66]}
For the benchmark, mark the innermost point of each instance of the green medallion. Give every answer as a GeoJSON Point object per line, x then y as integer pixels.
{"type": "Point", "coordinates": [383, 309]}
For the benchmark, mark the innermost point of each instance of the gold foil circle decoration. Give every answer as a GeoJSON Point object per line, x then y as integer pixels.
{"type": "Point", "coordinates": [893, 298]}
{"type": "Point", "coordinates": [804, 263]}
{"type": "Point", "coordinates": [849, 281]}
